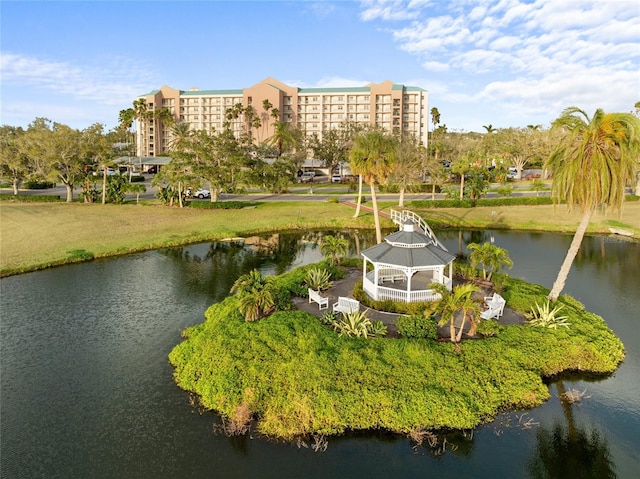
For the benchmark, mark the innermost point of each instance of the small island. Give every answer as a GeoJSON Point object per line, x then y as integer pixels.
{"type": "Point", "coordinates": [270, 358]}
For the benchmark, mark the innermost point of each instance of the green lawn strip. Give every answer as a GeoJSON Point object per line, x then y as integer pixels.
{"type": "Point", "coordinates": [37, 235]}
{"type": "Point", "coordinates": [298, 377]}
{"type": "Point", "coordinates": [41, 235]}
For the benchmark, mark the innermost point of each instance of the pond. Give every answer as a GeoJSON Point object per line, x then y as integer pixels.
{"type": "Point", "coordinates": [87, 390]}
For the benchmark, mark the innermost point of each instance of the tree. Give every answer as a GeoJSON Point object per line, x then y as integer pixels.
{"type": "Point", "coordinates": [99, 150]}
{"type": "Point", "coordinates": [334, 248]}
{"type": "Point", "coordinates": [461, 166]}
{"type": "Point", "coordinates": [137, 189]}
{"type": "Point", "coordinates": [410, 158]}
{"type": "Point", "coordinates": [459, 298]}
{"type": "Point", "coordinates": [255, 294]}
{"type": "Point", "coordinates": [14, 163]}
{"type": "Point", "coordinates": [490, 129]}
{"type": "Point", "coordinates": [491, 257]}
{"type": "Point", "coordinates": [283, 137]}
{"type": "Point", "coordinates": [58, 151]}
{"type": "Point", "coordinates": [373, 156]}
{"type": "Point", "coordinates": [591, 165]}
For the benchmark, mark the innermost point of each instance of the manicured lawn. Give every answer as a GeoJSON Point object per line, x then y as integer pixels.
{"type": "Point", "coordinates": [35, 235]}
{"type": "Point", "coordinates": [43, 234]}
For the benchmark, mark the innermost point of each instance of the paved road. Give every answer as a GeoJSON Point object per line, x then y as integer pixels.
{"type": "Point", "coordinates": [299, 192]}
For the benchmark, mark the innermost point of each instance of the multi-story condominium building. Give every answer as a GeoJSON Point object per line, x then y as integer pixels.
{"type": "Point", "coordinates": [396, 108]}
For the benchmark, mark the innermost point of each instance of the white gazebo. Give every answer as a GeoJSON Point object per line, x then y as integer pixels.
{"type": "Point", "coordinates": [406, 263]}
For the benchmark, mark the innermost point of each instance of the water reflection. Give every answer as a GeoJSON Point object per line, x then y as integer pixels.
{"type": "Point", "coordinates": [87, 390]}
{"type": "Point", "coordinates": [569, 450]}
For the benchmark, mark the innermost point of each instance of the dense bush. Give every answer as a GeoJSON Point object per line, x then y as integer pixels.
{"type": "Point", "coordinates": [136, 179]}
{"type": "Point", "coordinates": [417, 326]}
{"type": "Point", "coordinates": [30, 198]}
{"type": "Point", "coordinates": [38, 184]}
{"type": "Point", "coordinates": [468, 203]}
{"type": "Point", "coordinates": [222, 205]}
{"type": "Point", "coordinates": [297, 377]}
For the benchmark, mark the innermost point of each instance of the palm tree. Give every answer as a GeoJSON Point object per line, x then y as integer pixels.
{"type": "Point", "coordinates": [450, 303]}
{"type": "Point", "coordinates": [137, 189]}
{"type": "Point", "coordinates": [489, 128]}
{"type": "Point", "coordinates": [255, 293]}
{"type": "Point", "coordinates": [334, 248]}
{"type": "Point", "coordinates": [490, 256]}
{"type": "Point", "coordinates": [591, 164]}
{"type": "Point", "coordinates": [373, 157]}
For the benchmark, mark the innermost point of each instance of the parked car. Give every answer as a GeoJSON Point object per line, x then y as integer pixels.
{"type": "Point", "coordinates": [152, 170]}
{"type": "Point", "coordinates": [307, 177]}
{"type": "Point", "coordinates": [336, 179]}
{"type": "Point", "coordinates": [110, 172]}
{"type": "Point", "coordinates": [202, 194]}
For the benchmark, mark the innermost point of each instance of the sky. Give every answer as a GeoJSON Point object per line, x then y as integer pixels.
{"type": "Point", "coordinates": [504, 63]}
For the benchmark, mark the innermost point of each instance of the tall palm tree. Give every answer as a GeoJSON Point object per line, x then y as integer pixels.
{"type": "Point", "coordinates": [591, 165]}
{"type": "Point", "coordinates": [373, 156]}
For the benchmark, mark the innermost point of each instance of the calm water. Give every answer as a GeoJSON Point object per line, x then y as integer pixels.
{"type": "Point", "coordinates": [87, 390]}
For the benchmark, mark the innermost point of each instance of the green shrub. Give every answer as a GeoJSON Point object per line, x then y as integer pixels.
{"type": "Point", "coordinates": [355, 324]}
{"type": "Point", "coordinates": [222, 205]}
{"type": "Point", "coordinates": [488, 328]}
{"type": "Point", "coordinates": [417, 326]}
{"type": "Point", "coordinates": [467, 203]}
{"type": "Point", "coordinates": [378, 329]}
{"type": "Point", "coordinates": [30, 198]}
{"type": "Point", "coordinates": [318, 279]}
{"type": "Point", "coordinates": [38, 184]}
{"type": "Point", "coordinates": [136, 179]}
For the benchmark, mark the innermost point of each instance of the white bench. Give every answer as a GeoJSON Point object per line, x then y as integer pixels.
{"type": "Point", "coordinates": [314, 295]}
{"type": "Point", "coordinates": [392, 275]}
{"type": "Point", "coordinates": [346, 305]}
{"type": "Point", "coordinates": [495, 306]}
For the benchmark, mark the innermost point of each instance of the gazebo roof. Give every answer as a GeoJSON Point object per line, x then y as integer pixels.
{"type": "Point", "coordinates": [409, 248]}
{"type": "Point", "coordinates": [408, 257]}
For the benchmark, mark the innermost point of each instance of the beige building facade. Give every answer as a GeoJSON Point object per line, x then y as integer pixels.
{"type": "Point", "coordinates": [393, 107]}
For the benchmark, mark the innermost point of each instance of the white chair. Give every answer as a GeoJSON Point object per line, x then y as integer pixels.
{"type": "Point", "coordinates": [323, 303]}
{"type": "Point", "coordinates": [495, 307]}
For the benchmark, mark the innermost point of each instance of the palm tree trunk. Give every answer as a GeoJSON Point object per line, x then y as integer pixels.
{"type": "Point", "coordinates": [461, 185]}
{"type": "Point", "coordinates": [558, 286]}
{"type": "Point", "coordinates": [401, 199]}
{"type": "Point", "coordinates": [376, 215]}
{"type": "Point", "coordinates": [104, 185]}
{"type": "Point", "coordinates": [355, 215]}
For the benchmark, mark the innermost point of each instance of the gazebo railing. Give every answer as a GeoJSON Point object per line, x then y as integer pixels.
{"type": "Point", "coordinates": [395, 294]}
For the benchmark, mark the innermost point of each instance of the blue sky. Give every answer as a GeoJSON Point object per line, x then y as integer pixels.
{"type": "Point", "coordinates": [503, 62]}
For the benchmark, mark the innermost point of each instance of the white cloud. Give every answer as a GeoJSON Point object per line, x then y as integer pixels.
{"type": "Point", "coordinates": [110, 82]}
{"type": "Point", "coordinates": [529, 57]}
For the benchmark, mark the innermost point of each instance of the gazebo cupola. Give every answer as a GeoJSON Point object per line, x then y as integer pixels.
{"type": "Point", "coordinates": [406, 263]}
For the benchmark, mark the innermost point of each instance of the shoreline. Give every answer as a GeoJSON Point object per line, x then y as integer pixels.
{"type": "Point", "coordinates": [38, 236]}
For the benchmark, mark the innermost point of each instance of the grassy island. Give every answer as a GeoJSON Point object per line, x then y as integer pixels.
{"type": "Point", "coordinates": [295, 377]}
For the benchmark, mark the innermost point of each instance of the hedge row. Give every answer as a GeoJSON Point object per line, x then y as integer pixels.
{"type": "Point", "coordinates": [222, 205]}
{"type": "Point", "coordinates": [30, 198]}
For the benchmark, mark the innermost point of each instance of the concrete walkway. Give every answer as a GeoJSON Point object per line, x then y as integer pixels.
{"type": "Point", "coordinates": [344, 287]}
